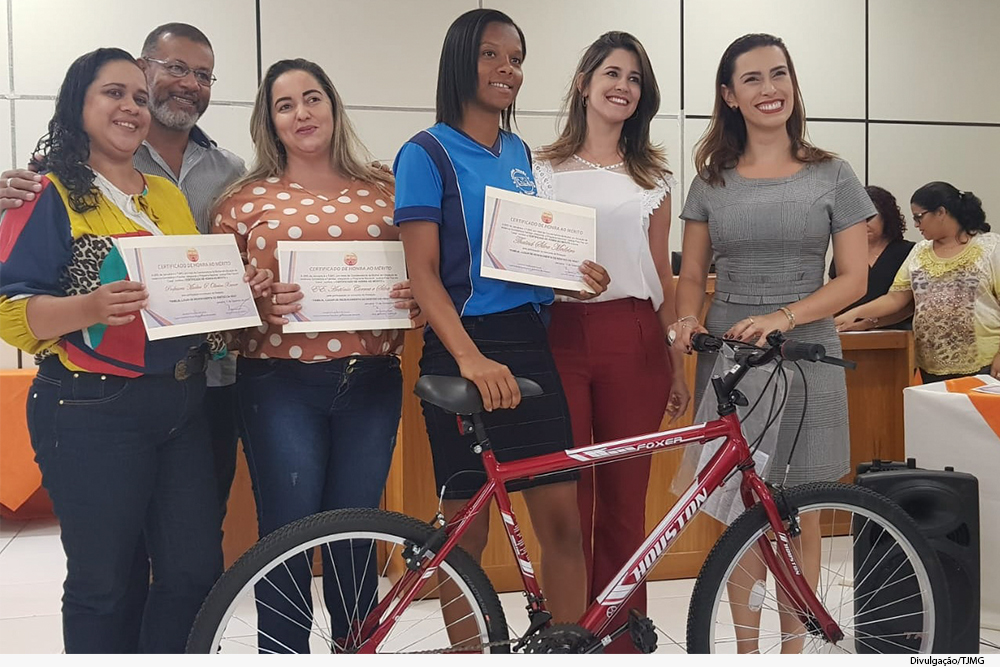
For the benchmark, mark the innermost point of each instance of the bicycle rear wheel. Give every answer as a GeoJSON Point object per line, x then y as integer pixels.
{"type": "Point", "coordinates": [870, 567]}
{"type": "Point", "coordinates": [270, 602]}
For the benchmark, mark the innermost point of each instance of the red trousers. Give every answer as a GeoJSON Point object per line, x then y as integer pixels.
{"type": "Point", "coordinates": [613, 363]}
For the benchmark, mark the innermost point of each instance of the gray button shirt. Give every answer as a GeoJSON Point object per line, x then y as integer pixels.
{"type": "Point", "coordinates": [206, 172]}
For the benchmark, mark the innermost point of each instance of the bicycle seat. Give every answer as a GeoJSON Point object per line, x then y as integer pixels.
{"type": "Point", "coordinates": [460, 396]}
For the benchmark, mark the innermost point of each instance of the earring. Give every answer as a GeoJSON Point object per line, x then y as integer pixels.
{"type": "Point", "coordinates": [584, 102]}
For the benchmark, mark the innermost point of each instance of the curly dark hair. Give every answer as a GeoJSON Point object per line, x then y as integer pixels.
{"type": "Point", "coordinates": [893, 221]}
{"type": "Point", "coordinates": [64, 151]}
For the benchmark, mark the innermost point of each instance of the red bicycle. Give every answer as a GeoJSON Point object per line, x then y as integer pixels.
{"type": "Point", "coordinates": [821, 567]}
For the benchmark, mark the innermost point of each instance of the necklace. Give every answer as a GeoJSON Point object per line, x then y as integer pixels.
{"type": "Point", "coordinates": [872, 260]}
{"type": "Point", "coordinates": [597, 166]}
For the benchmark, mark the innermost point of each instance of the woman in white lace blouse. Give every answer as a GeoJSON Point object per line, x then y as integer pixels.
{"type": "Point", "coordinates": [610, 351]}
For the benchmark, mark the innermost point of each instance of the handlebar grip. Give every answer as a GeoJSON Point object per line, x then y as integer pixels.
{"type": "Point", "coordinates": [792, 350]}
{"type": "Point", "coordinates": [702, 342]}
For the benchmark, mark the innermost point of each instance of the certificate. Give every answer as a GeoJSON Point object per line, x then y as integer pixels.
{"type": "Point", "coordinates": [537, 241]}
{"type": "Point", "coordinates": [345, 284]}
{"type": "Point", "coordinates": [195, 284]}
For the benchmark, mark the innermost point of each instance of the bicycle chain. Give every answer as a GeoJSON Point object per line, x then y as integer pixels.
{"type": "Point", "coordinates": [467, 649]}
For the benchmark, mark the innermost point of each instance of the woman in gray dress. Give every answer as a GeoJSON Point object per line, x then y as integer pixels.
{"type": "Point", "coordinates": [765, 203]}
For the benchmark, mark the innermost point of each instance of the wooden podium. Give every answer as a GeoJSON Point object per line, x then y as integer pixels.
{"type": "Point", "coordinates": [886, 366]}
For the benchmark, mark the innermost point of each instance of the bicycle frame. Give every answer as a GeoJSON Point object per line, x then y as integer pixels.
{"type": "Point", "coordinates": [733, 456]}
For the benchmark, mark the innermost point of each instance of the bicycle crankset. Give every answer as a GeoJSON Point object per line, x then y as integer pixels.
{"type": "Point", "coordinates": [562, 638]}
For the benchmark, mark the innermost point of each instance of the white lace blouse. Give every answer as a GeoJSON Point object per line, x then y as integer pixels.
{"type": "Point", "coordinates": [623, 210]}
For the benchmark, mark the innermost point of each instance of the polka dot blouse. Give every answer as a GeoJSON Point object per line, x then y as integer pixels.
{"type": "Point", "coordinates": [275, 209]}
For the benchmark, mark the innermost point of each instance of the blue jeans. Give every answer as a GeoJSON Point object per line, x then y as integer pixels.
{"type": "Point", "coordinates": [317, 437]}
{"type": "Point", "coordinates": [220, 410]}
{"type": "Point", "coordinates": [128, 465]}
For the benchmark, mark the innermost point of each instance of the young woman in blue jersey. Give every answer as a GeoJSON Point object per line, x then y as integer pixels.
{"type": "Point", "coordinates": [487, 331]}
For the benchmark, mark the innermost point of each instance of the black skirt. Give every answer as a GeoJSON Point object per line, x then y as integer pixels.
{"type": "Point", "coordinates": [538, 425]}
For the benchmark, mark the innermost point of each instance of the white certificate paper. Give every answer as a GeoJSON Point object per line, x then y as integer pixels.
{"type": "Point", "coordinates": [537, 241]}
{"type": "Point", "coordinates": [345, 284]}
{"type": "Point", "coordinates": [195, 284]}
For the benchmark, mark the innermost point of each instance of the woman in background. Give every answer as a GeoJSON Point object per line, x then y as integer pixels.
{"type": "Point", "coordinates": [951, 279]}
{"type": "Point", "coordinates": [887, 249]}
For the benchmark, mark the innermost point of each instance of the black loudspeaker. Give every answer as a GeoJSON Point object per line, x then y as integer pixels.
{"type": "Point", "coordinates": [945, 506]}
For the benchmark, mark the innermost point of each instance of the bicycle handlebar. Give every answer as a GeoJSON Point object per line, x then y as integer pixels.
{"type": "Point", "coordinates": [778, 347]}
{"type": "Point", "coordinates": [793, 350]}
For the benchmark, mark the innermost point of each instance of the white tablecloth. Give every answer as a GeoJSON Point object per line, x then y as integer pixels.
{"type": "Point", "coordinates": [944, 428]}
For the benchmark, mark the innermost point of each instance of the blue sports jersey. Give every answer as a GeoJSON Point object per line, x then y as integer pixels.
{"type": "Point", "coordinates": [441, 176]}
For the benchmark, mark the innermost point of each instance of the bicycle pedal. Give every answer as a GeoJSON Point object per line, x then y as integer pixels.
{"type": "Point", "coordinates": [642, 631]}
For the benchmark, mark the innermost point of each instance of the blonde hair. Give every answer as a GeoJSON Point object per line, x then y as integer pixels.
{"type": "Point", "coordinates": [347, 154]}
{"type": "Point", "coordinates": [645, 162]}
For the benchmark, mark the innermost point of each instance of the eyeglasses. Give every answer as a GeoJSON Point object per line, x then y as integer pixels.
{"type": "Point", "coordinates": [917, 217]}
{"type": "Point", "coordinates": [179, 70]}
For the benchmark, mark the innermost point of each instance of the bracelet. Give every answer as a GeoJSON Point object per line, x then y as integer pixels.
{"type": "Point", "coordinates": [873, 320]}
{"type": "Point", "coordinates": [790, 315]}
{"type": "Point", "coordinates": [687, 317]}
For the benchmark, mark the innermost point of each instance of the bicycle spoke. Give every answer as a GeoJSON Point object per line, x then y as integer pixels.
{"type": "Point", "coordinates": [306, 608]}
{"type": "Point", "coordinates": [869, 596]}
{"type": "Point", "coordinates": [319, 594]}
{"type": "Point", "coordinates": [452, 624]}
{"type": "Point", "coordinates": [416, 623]}
{"type": "Point", "coordinates": [340, 588]}
{"type": "Point", "coordinates": [308, 616]}
{"type": "Point", "coordinates": [882, 638]}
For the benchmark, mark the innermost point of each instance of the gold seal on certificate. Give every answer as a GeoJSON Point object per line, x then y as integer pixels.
{"type": "Point", "coordinates": [195, 284]}
{"type": "Point", "coordinates": [345, 284]}
{"type": "Point", "coordinates": [537, 241]}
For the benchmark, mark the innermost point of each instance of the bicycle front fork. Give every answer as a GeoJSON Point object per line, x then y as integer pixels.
{"type": "Point", "coordinates": [780, 557]}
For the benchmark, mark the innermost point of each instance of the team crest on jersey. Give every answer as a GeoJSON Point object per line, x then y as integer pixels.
{"type": "Point", "coordinates": [522, 181]}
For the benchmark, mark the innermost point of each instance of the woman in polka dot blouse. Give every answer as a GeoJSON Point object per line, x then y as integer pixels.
{"type": "Point", "coordinates": [319, 411]}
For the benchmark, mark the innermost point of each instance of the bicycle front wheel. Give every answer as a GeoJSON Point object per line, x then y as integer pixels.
{"type": "Point", "coordinates": [272, 600]}
{"type": "Point", "coordinates": [865, 559]}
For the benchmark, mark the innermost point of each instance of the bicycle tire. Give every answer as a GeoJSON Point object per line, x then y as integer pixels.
{"type": "Point", "coordinates": [928, 577]}
{"type": "Point", "coordinates": [326, 527]}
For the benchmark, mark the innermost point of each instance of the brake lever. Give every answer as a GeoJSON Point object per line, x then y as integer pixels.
{"type": "Point", "coordinates": [843, 363]}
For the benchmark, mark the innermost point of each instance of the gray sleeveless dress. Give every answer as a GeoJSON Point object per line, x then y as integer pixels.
{"type": "Point", "coordinates": [770, 238]}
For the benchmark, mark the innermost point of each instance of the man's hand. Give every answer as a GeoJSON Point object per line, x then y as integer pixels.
{"type": "Point", "coordinates": [18, 186]}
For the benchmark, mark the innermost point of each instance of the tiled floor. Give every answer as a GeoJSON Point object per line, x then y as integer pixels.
{"type": "Point", "coordinates": [32, 568]}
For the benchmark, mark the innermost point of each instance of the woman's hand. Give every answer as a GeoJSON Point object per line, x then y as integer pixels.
{"type": "Point", "coordinates": [405, 301]}
{"type": "Point", "coordinates": [679, 333]}
{"type": "Point", "coordinates": [995, 367]}
{"type": "Point", "coordinates": [114, 304]}
{"type": "Point", "coordinates": [849, 321]}
{"type": "Point", "coordinates": [596, 277]}
{"type": "Point", "coordinates": [679, 395]}
{"type": "Point", "coordinates": [495, 382]}
{"type": "Point", "coordinates": [284, 300]}
{"type": "Point", "coordinates": [755, 329]}
{"type": "Point", "coordinates": [260, 281]}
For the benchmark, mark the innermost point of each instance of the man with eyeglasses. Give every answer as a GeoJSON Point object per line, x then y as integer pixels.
{"type": "Point", "coordinates": [178, 61]}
